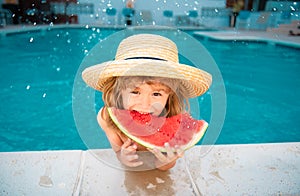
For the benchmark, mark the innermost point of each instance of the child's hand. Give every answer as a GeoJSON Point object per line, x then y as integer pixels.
{"type": "Point", "coordinates": [167, 160]}
{"type": "Point", "coordinates": [128, 156]}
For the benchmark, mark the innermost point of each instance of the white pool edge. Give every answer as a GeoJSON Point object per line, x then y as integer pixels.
{"type": "Point", "coordinates": [257, 169]}
{"type": "Point", "coordinates": [260, 36]}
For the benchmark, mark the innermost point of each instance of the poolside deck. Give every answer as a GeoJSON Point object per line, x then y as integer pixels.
{"type": "Point", "coordinates": [274, 37]}
{"type": "Point", "coordinates": [255, 169]}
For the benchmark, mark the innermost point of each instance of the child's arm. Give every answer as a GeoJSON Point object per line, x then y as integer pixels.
{"type": "Point", "coordinates": [125, 151]}
{"type": "Point", "coordinates": [128, 156]}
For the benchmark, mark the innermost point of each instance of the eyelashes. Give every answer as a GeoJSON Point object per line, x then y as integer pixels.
{"type": "Point", "coordinates": [135, 92]}
{"type": "Point", "coordinates": [155, 94]}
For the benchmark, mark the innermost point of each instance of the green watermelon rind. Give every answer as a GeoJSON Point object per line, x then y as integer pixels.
{"type": "Point", "coordinates": [196, 138]}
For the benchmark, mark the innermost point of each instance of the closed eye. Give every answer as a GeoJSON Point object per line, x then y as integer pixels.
{"type": "Point", "coordinates": [135, 92]}
{"type": "Point", "coordinates": [156, 94]}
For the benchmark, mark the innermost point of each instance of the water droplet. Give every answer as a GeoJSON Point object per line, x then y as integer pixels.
{"type": "Point", "coordinates": [44, 95]}
{"type": "Point", "coordinates": [292, 8]}
{"type": "Point", "coordinates": [69, 41]}
{"type": "Point", "coordinates": [27, 87]}
{"type": "Point", "coordinates": [86, 51]}
{"type": "Point", "coordinates": [31, 40]}
{"type": "Point", "coordinates": [58, 69]}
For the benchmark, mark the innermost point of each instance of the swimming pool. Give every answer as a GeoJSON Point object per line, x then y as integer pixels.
{"type": "Point", "coordinates": [262, 90]}
{"type": "Point", "coordinates": [38, 70]}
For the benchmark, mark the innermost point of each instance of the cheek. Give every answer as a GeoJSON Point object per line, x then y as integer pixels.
{"type": "Point", "coordinates": [124, 99]}
{"type": "Point", "coordinates": [161, 104]}
{"type": "Point", "coordinates": [165, 99]}
{"type": "Point", "coordinates": [158, 106]}
{"type": "Point", "coordinates": [127, 100]}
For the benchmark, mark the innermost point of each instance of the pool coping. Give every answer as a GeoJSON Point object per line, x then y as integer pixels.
{"type": "Point", "coordinates": [255, 169]}
{"type": "Point", "coordinates": [255, 36]}
{"type": "Point", "coordinates": [219, 35]}
{"type": "Point", "coordinates": [12, 29]}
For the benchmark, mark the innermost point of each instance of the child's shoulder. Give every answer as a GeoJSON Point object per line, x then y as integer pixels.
{"type": "Point", "coordinates": [105, 122]}
{"type": "Point", "coordinates": [101, 116]}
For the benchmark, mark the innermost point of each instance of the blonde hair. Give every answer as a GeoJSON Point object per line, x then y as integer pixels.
{"type": "Point", "coordinates": [177, 101]}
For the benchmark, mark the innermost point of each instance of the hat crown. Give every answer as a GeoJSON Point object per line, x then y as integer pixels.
{"type": "Point", "coordinates": [147, 46]}
{"type": "Point", "coordinates": [148, 55]}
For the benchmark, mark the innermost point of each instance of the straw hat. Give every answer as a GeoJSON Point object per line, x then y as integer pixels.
{"type": "Point", "coordinates": [148, 55]}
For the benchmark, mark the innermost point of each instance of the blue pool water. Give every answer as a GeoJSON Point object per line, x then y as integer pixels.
{"type": "Point", "coordinates": [38, 69]}
{"type": "Point", "coordinates": [262, 89]}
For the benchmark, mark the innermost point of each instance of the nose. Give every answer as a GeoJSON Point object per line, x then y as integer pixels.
{"type": "Point", "coordinates": [145, 101]}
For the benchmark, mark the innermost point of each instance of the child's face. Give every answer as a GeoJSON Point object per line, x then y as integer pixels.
{"type": "Point", "coordinates": [146, 98]}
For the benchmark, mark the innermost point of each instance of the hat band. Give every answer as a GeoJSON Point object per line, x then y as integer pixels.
{"type": "Point", "coordinates": [152, 58]}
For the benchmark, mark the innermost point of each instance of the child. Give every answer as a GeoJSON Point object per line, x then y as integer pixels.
{"type": "Point", "coordinates": [146, 77]}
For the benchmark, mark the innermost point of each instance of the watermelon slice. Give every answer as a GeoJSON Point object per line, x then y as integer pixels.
{"type": "Point", "coordinates": [153, 132]}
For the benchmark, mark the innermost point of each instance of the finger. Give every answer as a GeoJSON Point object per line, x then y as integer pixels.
{"type": "Point", "coordinates": [170, 153]}
{"type": "Point", "coordinates": [127, 143]}
{"type": "Point", "coordinates": [132, 158]}
{"type": "Point", "coordinates": [135, 164]}
{"type": "Point", "coordinates": [128, 148]}
{"type": "Point", "coordinates": [179, 151]}
{"type": "Point", "coordinates": [132, 148]}
{"type": "Point", "coordinates": [159, 155]}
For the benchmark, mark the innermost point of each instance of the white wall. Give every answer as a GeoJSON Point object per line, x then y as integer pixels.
{"type": "Point", "coordinates": [179, 7]}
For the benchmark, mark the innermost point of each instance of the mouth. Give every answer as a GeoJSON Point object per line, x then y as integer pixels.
{"type": "Point", "coordinates": [141, 112]}
{"type": "Point", "coordinates": [141, 117]}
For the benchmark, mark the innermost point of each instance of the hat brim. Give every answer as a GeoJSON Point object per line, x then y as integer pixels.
{"type": "Point", "coordinates": [195, 81]}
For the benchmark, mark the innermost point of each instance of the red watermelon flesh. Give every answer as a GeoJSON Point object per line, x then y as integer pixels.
{"type": "Point", "coordinates": [153, 132]}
